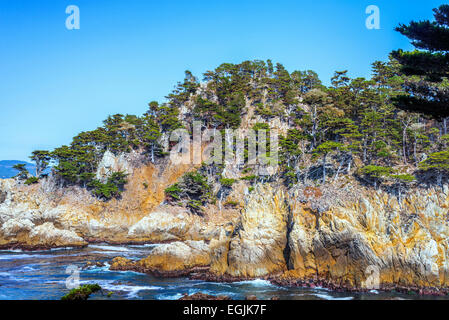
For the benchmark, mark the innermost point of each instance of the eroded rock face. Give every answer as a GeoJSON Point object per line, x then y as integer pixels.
{"type": "Point", "coordinates": [111, 163]}
{"type": "Point", "coordinates": [348, 236]}
{"type": "Point", "coordinates": [171, 259]}
{"type": "Point", "coordinates": [373, 241]}
{"type": "Point", "coordinates": [137, 217]}
{"type": "Point", "coordinates": [256, 247]}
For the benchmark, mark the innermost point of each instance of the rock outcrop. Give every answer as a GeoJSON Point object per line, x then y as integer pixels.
{"type": "Point", "coordinates": [73, 217]}
{"type": "Point", "coordinates": [343, 236]}
{"type": "Point", "coordinates": [256, 246]}
{"type": "Point", "coordinates": [362, 239]}
{"type": "Point", "coordinates": [171, 259]}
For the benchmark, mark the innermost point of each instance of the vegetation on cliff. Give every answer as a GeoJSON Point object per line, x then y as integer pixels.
{"type": "Point", "coordinates": [377, 129]}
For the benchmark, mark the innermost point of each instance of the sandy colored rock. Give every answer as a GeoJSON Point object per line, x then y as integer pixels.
{"type": "Point", "coordinates": [256, 247]}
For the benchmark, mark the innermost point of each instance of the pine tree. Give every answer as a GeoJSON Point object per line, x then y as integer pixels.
{"type": "Point", "coordinates": [41, 158]}
{"type": "Point", "coordinates": [428, 93]}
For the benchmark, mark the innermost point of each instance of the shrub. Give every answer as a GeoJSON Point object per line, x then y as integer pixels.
{"type": "Point", "coordinates": [31, 180]}
{"type": "Point", "coordinates": [231, 204]}
{"type": "Point", "coordinates": [249, 178]}
{"type": "Point", "coordinates": [375, 173]}
{"type": "Point", "coordinates": [81, 293]}
{"type": "Point", "coordinates": [195, 206]}
{"type": "Point", "coordinates": [112, 188]}
{"type": "Point", "coordinates": [192, 189]}
{"type": "Point", "coordinates": [227, 182]}
{"type": "Point", "coordinates": [173, 191]}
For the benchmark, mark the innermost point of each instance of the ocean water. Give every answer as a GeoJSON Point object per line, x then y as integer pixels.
{"type": "Point", "coordinates": [43, 275]}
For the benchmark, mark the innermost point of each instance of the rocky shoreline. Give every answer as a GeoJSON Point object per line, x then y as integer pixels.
{"type": "Point", "coordinates": [333, 237]}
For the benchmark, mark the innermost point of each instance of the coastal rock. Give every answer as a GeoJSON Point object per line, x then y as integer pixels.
{"type": "Point", "coordinates": [111, 163]}
{"type": "Point", "coordinates": [46, 235]}
{"type": "Point", "coordinates": [256, 247]}
{"type": "Point", "coordinates": [203, 296]}
{"type": "Point", "coordinates": [74, 209]}
{"type": "Point", "coordinates": [373, 242]}
{"type": "Point", "coordinates": [170, 259]}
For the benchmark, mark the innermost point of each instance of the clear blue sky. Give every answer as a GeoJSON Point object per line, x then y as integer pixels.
{"type": "Point", "coordinates": [55, 83]}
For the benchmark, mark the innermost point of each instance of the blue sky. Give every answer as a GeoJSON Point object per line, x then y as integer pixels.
{"type": "Point", "coordinates": [55, 83]}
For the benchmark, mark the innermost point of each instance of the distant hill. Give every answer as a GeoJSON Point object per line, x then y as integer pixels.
{"type": "Point", "coordinates": [7, 171]}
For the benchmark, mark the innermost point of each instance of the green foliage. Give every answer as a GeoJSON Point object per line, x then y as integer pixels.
{"type": "Point", "coordinates": [327, 147]}
{"type": "Point", "coordinates": [227, 182]}
{"type": "Point", "coordinates": [82, 293]}
{"type": "Point", "coordinates": [438, 161]}
{"type": "Point", "coordinates": [112, 188]}
{"type": "Point", "coordinates": [31, 180]}
{"type": "Point", "coordinates": [426, 93]}
{"type": "Point", "coordinates": [23, 172]}
{"type": "Point", "coordinates": [195, 206]}
{"type": "Point", "coordinates": [376, 172]}
{"type": "Point", "coordinates": [174, 191]}
{"type": "Point", "coordinates": [231, 204]}
{"type": "Point", "coordinates": [249, 178]}
{"type": "Point", "coordinates": [192, 189]}
{"type": "Point", "coordinates": [403, 178]}
{"type": "Point", "coordinates": [42, 159]}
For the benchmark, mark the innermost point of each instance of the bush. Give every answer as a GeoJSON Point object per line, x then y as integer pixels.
{"type": "Point", "coordinates": [31, 180]}
{"type": "Point", "coordinates": [249, 178]}
{"type": "Point", "coordinates": [81, 293]}
{"type": "Point", "coordinates": [174, 191]}
{"type": "Point", "coordinates": [112, 188]}
{"type": "Point", "coordinates": [227, 182]}
{"type": "Point", "coordinates": [231, 204]}
{"type": "Point", "coordinates": [195, 206]}
{"type": "Point", "coordinates": [192, 189]}
{"type": "Point", "coordinates": [375, 173]}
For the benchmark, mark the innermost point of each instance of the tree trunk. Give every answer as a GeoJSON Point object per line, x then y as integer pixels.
{"type": "Point", "coordinates": [445, 125]}
{"type": "Point", "coordinates": [338, 170]}
{"type": "Point", "coordinates": [415, 157]}
{"type": "Point", "coordinates": [314, 127]}
{"type": "Point", "coordinates": [365, 141]}
{"type": "Point", "coordinates": [404, 141]}
{"type": "Point", "coordinates": [152, 153]}
{"type": "Point", "coordinates": [324, 169]}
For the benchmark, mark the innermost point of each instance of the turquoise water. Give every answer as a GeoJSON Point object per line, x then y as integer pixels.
{"type": "Point", "coordinates": [42, 275]}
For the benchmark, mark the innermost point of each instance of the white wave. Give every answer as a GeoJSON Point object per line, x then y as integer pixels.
{"type": "Point", "coordinates": [109, 248]}
{"type": "Point", "coordinates": [26, 269]}
{"type": "Point", "coordinates": [94, 268]}
{"type": "Point", "coordinates": [146, 245]}
{"type": "Point", "coordinates": [257, 283]}
{"type": "Point", "coordinates": [175, 296]}
{"type": "Point", "coordinates": [111, 285]}
{"type": "Point", "coordinates": [132, 290]}
{"type": "Point", "coordinates": [24, 256]}
{"type": "Point", "coordinates": [328, 297]}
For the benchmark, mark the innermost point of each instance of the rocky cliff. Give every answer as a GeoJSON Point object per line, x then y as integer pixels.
{"type": "Point", "coordinates": [44, 215]}
{"type": "Point", "coordinates": [363, 240]}
{"type": "Point", "coordinates": [343, 235]}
